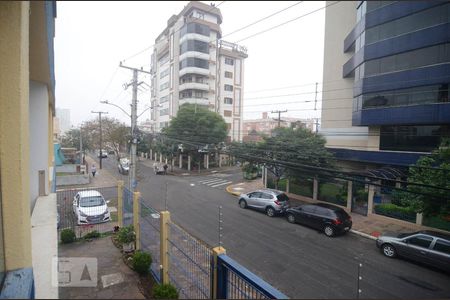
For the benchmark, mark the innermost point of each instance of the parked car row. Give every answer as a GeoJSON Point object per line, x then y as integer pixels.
{"type": "Point", "coordinates": [427, 247]}
{"type": "Point", "coordinates": [329, 219]}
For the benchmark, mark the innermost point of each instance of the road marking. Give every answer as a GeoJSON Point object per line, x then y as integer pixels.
{"type": "Point", "coordinates": [227, 182]}
{"type": "Point", "coordinates": [210, 181]}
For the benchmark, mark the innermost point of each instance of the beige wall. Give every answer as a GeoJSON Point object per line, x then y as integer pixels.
{"type": "Point", "coordinates": [14, 133]}
{"type": "Point", "coordinates": [337, 92]}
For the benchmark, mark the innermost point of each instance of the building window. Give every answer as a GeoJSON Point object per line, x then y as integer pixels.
{"type": "Point", "coordinates": [195, 28]}
{"type": "Point", "coordinates": [228, 74]}
{"type": "Point", "coordinates": [227, 113]}
{"type": "Point", "coordinates": [164, 99]}
{"type": "Point", "coordinates": [228, 126]}
{"type": "Point", "coordinates": [228, 100]}
{"type": "Point", "coordinates": [192, 94]}
{"type": "Point", "coordinates": [424, 19]}
{"type": "Point", "coordinates": [229, 61]}
{"type": "Point", "coordinates": [164, 86]}
{"type": "Point", "coordinates": [164, 59]}
{"type": "Point", "coordinates": [228, 87]}
{"type": "Point", "coordinates": [164, 73]}
{"type": "Point", "coordinates": [412, 96]}
{"type": "Point", "coordinates": [194, 45]}
{"type": "Point", "coordinates": [413, 138]}
{"type": "Point", "coordinates": [409, 60]}
{"type": "Point", "coordinates": [164, 112]}
{"type": "Point", "coordinates": [194, 62]}
{"type": "Point", "coordinates": [163, 125]}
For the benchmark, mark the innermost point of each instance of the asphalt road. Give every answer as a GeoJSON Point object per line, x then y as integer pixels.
{"type": "Point", "coordinates": [297, 260]}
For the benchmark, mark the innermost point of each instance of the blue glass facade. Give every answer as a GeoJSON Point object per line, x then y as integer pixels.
{"type": "Point", "coordinates": [401, 69]}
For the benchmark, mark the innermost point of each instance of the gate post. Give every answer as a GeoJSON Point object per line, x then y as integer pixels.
{"type": "Point", "coordinates": [349, 195]}
{"type": "Point", "coordinates": [164, 245]}
{"type": "Point", "coordinates": [120, 203]}
{"type": "Point", "coordinates": [136, 224]}
{"type": "Point", "coordinates": [315, 188]}
{"type": "Point", "coordinates": [218, 281]}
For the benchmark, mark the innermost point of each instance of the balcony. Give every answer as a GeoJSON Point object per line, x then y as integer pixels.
{"type": "Point", "coordinates": [193, 70]}
{"type": "Point", "coordinates": [193, 100]}
{"type": "Point", "coordinates": [194, 86]}
{"type": "Point", "coordinates": [195, 36]}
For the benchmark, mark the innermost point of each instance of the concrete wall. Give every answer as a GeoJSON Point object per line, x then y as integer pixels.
{"type": "Point", "coordinates": [72, 180]}
{"type": "Point", "coordinates": [69, 168]}
{"type": "Point", "coordinates": [337, 92]}
{"type": "Point", "coordinates": [39, 151]}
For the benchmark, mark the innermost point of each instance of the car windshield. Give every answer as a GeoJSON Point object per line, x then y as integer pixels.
{"type": "Point", "coordinates": [283, 197]}
{"type": "Point", "coordinates": [92, 201]}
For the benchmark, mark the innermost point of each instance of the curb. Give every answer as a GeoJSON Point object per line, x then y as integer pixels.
{"type": "Point", "coordinates": [368, 236]}
{"type": "Point", "coordinates": [229, 191]}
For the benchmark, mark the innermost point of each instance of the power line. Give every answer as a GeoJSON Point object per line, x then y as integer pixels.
{"type": "Point", "coordinates": [287, 22]}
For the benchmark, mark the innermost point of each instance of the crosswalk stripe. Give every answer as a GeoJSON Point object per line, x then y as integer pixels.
{"type": "Point", "coordinates": [227, 182]}
{"type": "Point", "coordinates": [210, 181]}
{"type": "Point", "coordinates": [215, 182]}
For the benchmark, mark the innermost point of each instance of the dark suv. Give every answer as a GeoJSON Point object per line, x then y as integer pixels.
{"type": "Point", "coordinates": [325, 217]}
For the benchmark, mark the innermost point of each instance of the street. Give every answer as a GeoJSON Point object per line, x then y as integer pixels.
{"type": "Point", "coordinates": [297, 260]}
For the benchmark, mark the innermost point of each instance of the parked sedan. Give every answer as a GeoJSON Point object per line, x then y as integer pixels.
{"type": "Point", "coordinates": [90, 207]}
{"type": "Point", "coordinates": [322, 216]}
{"type": "Point", "coordinates": [272, 202]}
{"type": "Point", "coordinates": [124, 166]}
{"type": "Point", "coordinates": [428, 247]}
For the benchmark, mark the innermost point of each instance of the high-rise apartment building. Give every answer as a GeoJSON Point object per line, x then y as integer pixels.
{"type": "Point", "coordinates": [63, 115]}
{"type": "Point", "coordinates": [191, 64]}
{"type": "Point", "coordinates": [386, 80]}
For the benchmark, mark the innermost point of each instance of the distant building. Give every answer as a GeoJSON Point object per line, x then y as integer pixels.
{"type": "Point", "coordinates": [63, 116]}
{"type": "Point", "coordinates": [146, 126]}
{"type": "Point", "coordinates": [265, 125]}
{"type": "Point", "coordinates": [191, 64]}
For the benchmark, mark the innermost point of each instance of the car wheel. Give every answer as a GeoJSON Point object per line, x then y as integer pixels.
{"type": "Point", "coordinates": [270, 211]}
{"type": "Point", "coordinates": [329, 231]}
{"type": "Point", "coordinates": [291, 218]}
{"type": "Point", "coordinates": [243, 204]}
{"type": "Point", "coordinates": [388, 250]}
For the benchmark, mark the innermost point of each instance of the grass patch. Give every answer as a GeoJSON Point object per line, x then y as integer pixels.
{"type": "Point", "coordinates": [437, 222]}
{"type": "Point", "coordinates": [114, 217]}
{"type": "Point", "coordinates": [303, 188]}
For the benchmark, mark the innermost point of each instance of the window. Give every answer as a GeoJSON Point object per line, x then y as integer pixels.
{"type": "Point", "coordinates": [194, 62]}
{"type": "Point", "coordinates": [164, 59]}
{"type": "Point", "coordinates": [266, 196]}
{"type": "Point", "coordinates": [423, 138]}
{"type": "Point", "coordinates": [323, 211]}
{"type": "Point", "coordinates": [283, 197]}
{"type": "Point", "coordinates": [192, 94]}
{"type": "Point", "coordinates": [255, 195]}
{"type": "Point", "coordinates": [228, 87]}
{"type": "Point", "coordinates": [227, 113]}
{"type": "Point", "coordinates": [228, 100]}
{"type": "Point", "coordinates": [163, 124]}
{"type": "Point", "coordinates": [164, 73]}
{"type": "Point", "coordinates": [194, 45]}
{"type": "Point", "coordinates": [195, 28]}
{"type": "Point", "coordinates": [229, 61]}
{"type": "Point", "coordinates": [164, 99]}
{"type": "Point", "coordinates": [164, 112]}
{"type": "Point", "coordinates": [442, 246]}
{"type": "Point", "coordinates": [228, 74]}
{"type": "Point", "coordinates": [229, 126]}
{"type": "Point", "coordinates": [420, 241]}
{"type": "Point", "coordinates": [163, 86]}
{"type": "Point", "coordinates": [309, 209]}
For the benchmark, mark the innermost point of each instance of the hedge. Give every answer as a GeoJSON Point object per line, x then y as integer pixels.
{"type": "Point", "coordinates": [395, 211]}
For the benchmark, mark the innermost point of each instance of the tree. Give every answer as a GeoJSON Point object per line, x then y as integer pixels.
{"type": "Point", "coordinates": [285, 147]}
{"type": "Point", "coordinates": [429, 170]}
{"type": "Point", "coordinates": [195, 127]}
{"type": "Point", "coordinates": [71, 139]}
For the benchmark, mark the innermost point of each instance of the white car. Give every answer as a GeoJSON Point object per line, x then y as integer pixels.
{"type": "Point", "coordinates": [90, 207]}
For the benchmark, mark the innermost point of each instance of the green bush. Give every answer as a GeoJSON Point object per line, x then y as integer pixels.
{"type": "Point", "coordinates": [92, 235]}
{"type": "Point", "coordinates": [67, 236]}
{"type": "Point", "coordinates": [141, 262]}
{"type": "Point", "coordinates": [395, 211]}
{"type": "Point", "coordinates": [126, 235]}
{"type": "Point", "coordinates": [165, 291]}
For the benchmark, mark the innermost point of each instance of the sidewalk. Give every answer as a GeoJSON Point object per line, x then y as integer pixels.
{"type": "Point", "coordinates": [183, 172]}
{"type": "Point", "coordinates": [115, 280]}
{"type": "Point", "coordinates": [103, 178]}
{"type": "Point", "coordinates": [366, 226]}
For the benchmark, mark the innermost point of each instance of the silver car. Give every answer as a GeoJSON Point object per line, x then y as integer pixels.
{"type": "Point", "coordinates": [428, 247]}
{"type": "Point", "coordinates": [269, 201]}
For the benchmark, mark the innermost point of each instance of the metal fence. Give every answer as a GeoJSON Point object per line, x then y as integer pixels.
{"type": "Point", "coordinates": [86, 210]}
{"type": "Point", "coordinates": [150, 236]}
{"type": "Point", "coordinates": [190, 264]}
{"type": "Point", "coordinates": [236, 282]}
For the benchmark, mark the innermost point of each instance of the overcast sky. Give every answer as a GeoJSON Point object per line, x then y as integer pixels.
{"type": "Point", "coordinates": [93, 37]}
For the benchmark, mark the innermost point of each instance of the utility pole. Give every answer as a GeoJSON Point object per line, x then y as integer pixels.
{"type": "Point", "coordinates": [279, 112]}
{"type": "Point", "coordinates": [315, 108]}
{"type": "Point", "coordinates": [81, 148]}
{"type": "Point", "coordinates": [100, 121]}
{"type": "Point", "coordinates": [134, 117]}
